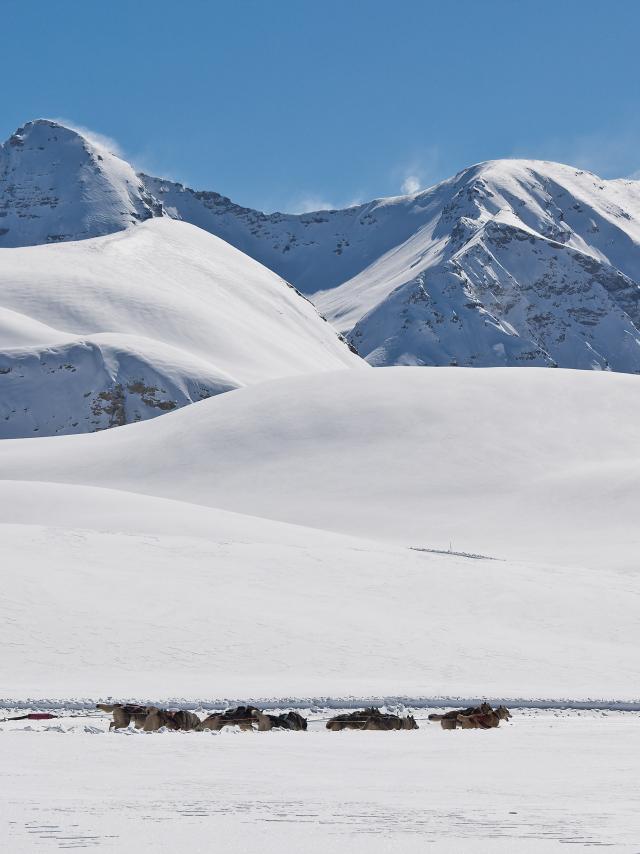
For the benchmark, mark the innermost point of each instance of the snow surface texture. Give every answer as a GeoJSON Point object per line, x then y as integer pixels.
{"type": "Point", "coordinates": [543, 783]}
{"type": "Point", "coordinates": [103, 332]}
{"type": "Point", "coordinates": [510, 262]}
{"type": "Point", "coordinates": [157, 594]}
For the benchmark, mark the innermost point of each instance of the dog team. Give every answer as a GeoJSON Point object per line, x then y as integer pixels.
{"type": "Point", "coordinates": [152, 718]}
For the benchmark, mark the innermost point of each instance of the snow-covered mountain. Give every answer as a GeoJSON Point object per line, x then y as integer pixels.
{"type": "Point", "coordinates": [98, 333]}
{"type": "Point", "coordinates": [510, 262]}
{"type": "Point", "coordinates": [57, 185]}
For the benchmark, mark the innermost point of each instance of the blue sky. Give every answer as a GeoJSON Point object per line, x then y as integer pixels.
{"type": "Point", "coordinates": [295, 105]}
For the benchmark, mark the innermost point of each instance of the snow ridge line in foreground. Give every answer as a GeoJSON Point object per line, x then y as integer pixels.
{"type": "Point", "coordinates": [327, 703]}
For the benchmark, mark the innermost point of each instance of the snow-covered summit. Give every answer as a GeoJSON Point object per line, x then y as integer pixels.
{"type": "Point", "coordinates": [57, 185]}
{"type": "Point", "coordinates": [509, 262]}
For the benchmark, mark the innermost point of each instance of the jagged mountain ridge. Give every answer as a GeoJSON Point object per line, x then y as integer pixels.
{"type": "Point", "coordinates": [509, 262]}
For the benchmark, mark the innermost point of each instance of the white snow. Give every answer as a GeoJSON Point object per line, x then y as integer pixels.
{"type": "Point", "coordinates": [525, 465]}
{"type": "Point", "coordinates": [56, 185]}
{"type": "Point", "coordinates": [316, 534]}
{"type": "Point", "coordinates": [164, 306]}
{"type": "Point", "coordinates": [137, 595]}
{"type": "Point", "coordinates": [510, 262]}
{"type": "Point", "coordinates": [543, 783]}
{"type": "Point", "coordinates": [245, 608]}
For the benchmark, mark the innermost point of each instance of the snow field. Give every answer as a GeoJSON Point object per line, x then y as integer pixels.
{"type": "Point", "coordinates": [220, 605]}
{"type": "Point", "coordinates": [542, 783]}
{"type": "Point", "coordinates": [538, 466]}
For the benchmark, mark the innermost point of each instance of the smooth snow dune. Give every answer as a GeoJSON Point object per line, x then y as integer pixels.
{"type": "Point", "coordinates": [535, 465]}
{"type": "Point", "coordinates": [107, 593]}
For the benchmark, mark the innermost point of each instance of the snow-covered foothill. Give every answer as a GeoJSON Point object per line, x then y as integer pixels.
{"type": "Point", "coordinates": [105, 331]}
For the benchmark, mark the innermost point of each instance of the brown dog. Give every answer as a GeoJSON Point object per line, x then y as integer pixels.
{"type": "Point", "coordinates": [478, 717]}
{"type": "Point", "coordinates": [371, 719]}
{"type": "Point", "coordinates": [242, 717]}
{"type": "Point", "coordinates": [124, 713]}
{"type": "Point", "coordinates": [291, 720]}
{"type": "Point", "coordinates": [484, 708]}
{"type": "Point", "coordinates": [179, 720]}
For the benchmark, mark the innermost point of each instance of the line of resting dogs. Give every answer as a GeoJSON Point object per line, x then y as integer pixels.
{"type": "Point", "coordinates": [151, 719]}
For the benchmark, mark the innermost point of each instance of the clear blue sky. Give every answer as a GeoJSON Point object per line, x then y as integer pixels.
{"type": "Point", "coordinates": [286, 105]}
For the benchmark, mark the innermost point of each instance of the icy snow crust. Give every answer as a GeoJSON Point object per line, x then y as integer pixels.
{"type": "Point", "coordinates": [103, 332]}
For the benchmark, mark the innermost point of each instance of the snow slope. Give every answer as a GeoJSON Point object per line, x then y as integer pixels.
{"type": "Point", "coordinates": [56, 184]}
{"type": "Point", "coordinates": [111, 593]}
{"type": "Point", "coordinates": [101, 332]}
{"type": "Point", "coordinates": [511, 262]}
{"type": "Point", "coordinates": [125, 577]}
{"type": "Point", "coordinates": [522, 465]}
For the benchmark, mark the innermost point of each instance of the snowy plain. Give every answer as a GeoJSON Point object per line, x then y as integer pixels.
{"type": "Point", "coordinates": [546, 782]}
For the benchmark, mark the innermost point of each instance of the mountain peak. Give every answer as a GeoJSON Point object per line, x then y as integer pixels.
{"type": "Point", "coordinates": [57, 184]}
